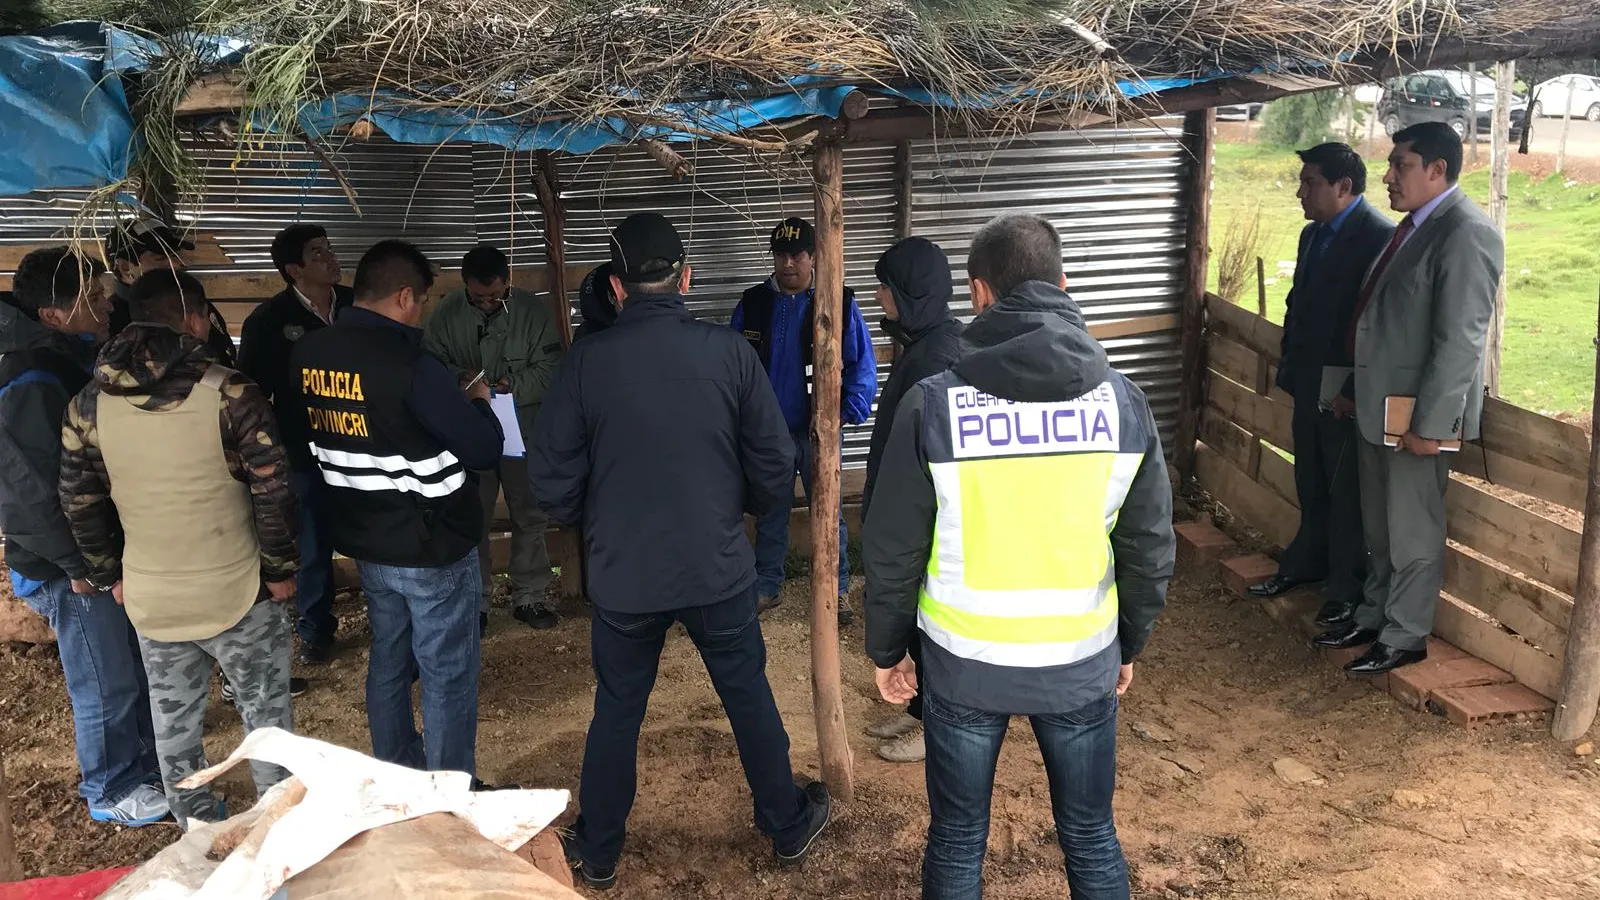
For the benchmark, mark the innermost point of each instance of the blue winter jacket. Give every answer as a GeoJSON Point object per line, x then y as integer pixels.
{"type": "Point", "coordinates": [787, 366]}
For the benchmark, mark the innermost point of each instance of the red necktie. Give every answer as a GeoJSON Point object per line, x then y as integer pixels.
{"type": "Point", "coordinates": [1404, 228]}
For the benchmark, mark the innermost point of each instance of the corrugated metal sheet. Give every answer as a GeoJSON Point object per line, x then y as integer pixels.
{"type": "Point", "coordinates": [1114, 193]}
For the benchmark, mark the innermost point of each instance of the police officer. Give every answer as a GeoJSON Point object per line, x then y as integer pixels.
{"type": "Point", "coordinates": [395, 439]}
{"type": "Point", "coordinates": [1037, 471]}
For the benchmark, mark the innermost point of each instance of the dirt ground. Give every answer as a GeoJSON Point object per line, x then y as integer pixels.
{"type": "Point", "coordinates": [1507, 810]}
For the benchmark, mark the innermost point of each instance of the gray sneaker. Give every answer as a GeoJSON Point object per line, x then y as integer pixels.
{"type": "Point", "coordinates": [146, 805]}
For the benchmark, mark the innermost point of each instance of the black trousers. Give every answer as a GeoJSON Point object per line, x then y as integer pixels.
{"type": "Point", "coordinates": [1329, 545]}
{"type": "Point", "coordinates": [627, 650]}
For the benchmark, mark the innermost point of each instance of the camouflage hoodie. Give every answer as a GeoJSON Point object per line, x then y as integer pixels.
{"type": "Point", "coordinates": [159, 367]}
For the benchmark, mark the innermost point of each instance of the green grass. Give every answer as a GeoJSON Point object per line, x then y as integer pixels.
{"type": "Point", "coordinates": [1552, 264]}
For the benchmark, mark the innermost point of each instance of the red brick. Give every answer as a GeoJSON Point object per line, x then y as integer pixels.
{"type": "Point", "coordinates": [1415, 685]}
{"type": "Point", "coordinates": [1244, 572]}
{"type": "Point", "coordinates": [1472, 707]}
{"type": "Point", "coordinates": [1439, 650]}
{"type": "Point", "coordinates": [1202, 543]}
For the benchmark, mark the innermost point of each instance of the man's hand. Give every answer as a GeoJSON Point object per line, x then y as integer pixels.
{"type": "Point", "coordinates": [503, 386]}
{"type": "Point", "coordinates": [281, 590]}
{"type": "Point", "coordinates": [1124, 678]}
{"type": "Point", "coordinates": [899, 684]}
{"type": "Point", "coordinates": [116, 592]}
{"type": "Point", "coordinates": [1417, 446]}
{"type": "Point", "coordinates": [82, 586]}
{"type": "Point", "coordinates": [1343, 407]}
{"type": "Point", "coordinates": [479, 391]}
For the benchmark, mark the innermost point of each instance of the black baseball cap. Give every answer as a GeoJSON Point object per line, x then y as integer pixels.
{"type": "Point", "coordinates": [131, 240]}
{"type": "Point", "coordinates": [645, 247]}
{"type": "Point", "coordinates": [794, 236]}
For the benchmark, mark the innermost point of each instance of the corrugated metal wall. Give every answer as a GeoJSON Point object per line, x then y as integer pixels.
{"type": "Point", "coordinates": [1115, 194]}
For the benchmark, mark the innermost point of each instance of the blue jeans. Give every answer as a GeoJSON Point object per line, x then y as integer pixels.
{"type": "Point", "coordinates": [626, 650]}
{"type": "Point", "coordinates": [1080, 758]}
{"type": "Point", "coordinates": [314, 583]}
{"type": "Point", "coordinates": [772, 532]}
{"type": "Point", "coordinates": [424, 623]}
{"type": "Point", "coordinates": [106, 683]}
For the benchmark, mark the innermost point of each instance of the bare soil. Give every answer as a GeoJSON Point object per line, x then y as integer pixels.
{"type": "Point", "coordinates": [1506, 811]}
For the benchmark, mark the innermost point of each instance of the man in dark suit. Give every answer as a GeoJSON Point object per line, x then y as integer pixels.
{"type": "Point", "coordinates": [1345, 235]}
{"type": "Point", "coordinates": [1420, 330]}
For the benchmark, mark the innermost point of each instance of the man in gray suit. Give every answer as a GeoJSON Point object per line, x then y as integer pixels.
{"type": "Point", "coordinates": [1345, 235]}
{"type": "Point", "coordinates": [1421, 324]}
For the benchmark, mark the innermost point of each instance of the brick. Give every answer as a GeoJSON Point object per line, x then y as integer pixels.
{"type": "Point", "coordinates": [1415, 685]}
{"type": "Point", "coordinates": [1244, 572]}
{"type": "Point", "coordinates": [1443, 650]}
{"type": "Point", "coordinates": [1473, 707]}
{"type": "Point", "coordinates": [1202, 543]}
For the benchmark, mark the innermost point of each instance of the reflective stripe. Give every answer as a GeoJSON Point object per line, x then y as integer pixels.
{"type": "Point", "coordinates": [1035, 655]}
{"type": "Point", "coordinates": [1123, 470]}
{"type": "Point", "coordinates": [1004, 604]}
{"type": "Point", "coordinates": [403, 483]}
{"type": "Point", "coordinates": [423, 467]}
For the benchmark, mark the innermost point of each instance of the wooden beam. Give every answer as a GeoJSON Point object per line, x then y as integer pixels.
{"type": "Point", "coordinates": [827, 693]}
{"type": "Point", "coordinates": [548, 185]}
{"type": "Point", "coordinates": [207, 252]}
{"type": "Point", "coordinates": [1579, 694]}
{"type": "Point", "coordinates": [10, 866]}
{"type": "Point", "coordinates": [1510, 535]}
{"type": "Point", "coordinates": [1457, 623]}
{"type": "Point", "coordinates": [1269, 418]}
{"type": "Point", "coordinates": [903, 181]}
{"type": "Point", "coordinates": [1255, 505]}
{"type": "Point", "coordinates": [217, 93]}
{"type": "Point", "coordinates": [1199, 134]}
{"type": "Point", "coordinates": [1237, 323]}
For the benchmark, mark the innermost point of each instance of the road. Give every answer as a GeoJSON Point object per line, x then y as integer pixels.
{"type": "Point", "coordinates": [1583, 141]}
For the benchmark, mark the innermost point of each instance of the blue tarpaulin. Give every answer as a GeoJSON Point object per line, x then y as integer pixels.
{"type": "Point", "coordinates": [61, 123]}
{"type": "Point", "coordinates": [64, 125]}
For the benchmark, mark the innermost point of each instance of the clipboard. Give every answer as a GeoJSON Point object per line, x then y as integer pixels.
{"type": "Point", "coordinates": [1397, 410]}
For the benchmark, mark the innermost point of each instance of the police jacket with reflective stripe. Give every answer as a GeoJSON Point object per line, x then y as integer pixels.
{"type": "Point", "coordinates": [1022, 517]}
{"type": "Point", "coordinates": [394, 439]}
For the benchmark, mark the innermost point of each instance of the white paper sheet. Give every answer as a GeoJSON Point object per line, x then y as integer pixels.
{"type": "Point", "coordinates": [505, 409]}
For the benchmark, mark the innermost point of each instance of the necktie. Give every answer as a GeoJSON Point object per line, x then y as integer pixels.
{"type": "Point", "coordinates": [1400, 232]}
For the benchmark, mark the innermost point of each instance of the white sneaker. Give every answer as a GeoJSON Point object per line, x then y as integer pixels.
{"type": "Point", "coordinates": [908, 748]}
{"type": "Point", "coordinates": [145, 806]}
{"type": "Point", "coordinates": [904, 723]}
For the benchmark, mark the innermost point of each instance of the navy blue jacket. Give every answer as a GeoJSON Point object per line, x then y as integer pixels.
{"type": "Point", "coordinates": [658, 435]}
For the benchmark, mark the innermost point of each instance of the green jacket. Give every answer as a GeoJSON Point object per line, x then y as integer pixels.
{"type": "Point", "coordinates": [521, 343]}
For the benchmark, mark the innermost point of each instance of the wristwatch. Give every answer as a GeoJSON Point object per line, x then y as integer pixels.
{"type": "Point", "coordinates": [100, 588]}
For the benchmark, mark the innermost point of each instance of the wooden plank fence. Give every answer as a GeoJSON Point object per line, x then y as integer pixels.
{"type": "Point", "coordinates": [1509, 572]}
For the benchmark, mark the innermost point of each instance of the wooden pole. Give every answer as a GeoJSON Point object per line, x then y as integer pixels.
{"type": "Point", "coordinates": [902, 189]}
{"type": "Point", "coordinates": [10, 867]}
{"type": "Point", "coordinates": [1580, 668]}
{"type": "Point", "coordinates": [1566, 131]}
{"type": "Point", "coordinates": [1499, 173]}
{"type": "Point", "coordinates": [1199, 133]}
{"type": "Point", "coordinates": [547, 184]}
{"type": "Point", "coordinates": [1472, 133]}
{"type": "Point", "coordinates": [827, 694]}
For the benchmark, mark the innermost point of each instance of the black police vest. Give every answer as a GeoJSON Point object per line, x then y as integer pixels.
{"type": "Point", "coordinates": [393, 494]}
{"type": "Point", "coordinates": [759, 302]}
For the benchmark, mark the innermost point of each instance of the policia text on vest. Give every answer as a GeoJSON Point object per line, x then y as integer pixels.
{"type": "Point", "coordinates": [984, 425]}
{"type": "Point", "coordinates": [332, 384]}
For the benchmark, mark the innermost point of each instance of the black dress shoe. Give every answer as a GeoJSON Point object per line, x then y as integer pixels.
{"type": "Point", "coordinates": [1384, 658]}
{"type": "Point", "coordinates": [1277, 585]}
{"type": "Point", "coordinates": [1337, 615]}
{"type": "Point", "coordinates": [1351, 635]}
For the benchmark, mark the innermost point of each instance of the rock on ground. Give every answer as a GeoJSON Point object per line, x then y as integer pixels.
{"type": "Point", "coordinates": [1295, 772]}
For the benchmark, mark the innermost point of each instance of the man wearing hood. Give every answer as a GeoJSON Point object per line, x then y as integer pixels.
{"type": "Point", "coordinates": [914, 289]}
{"type": "Point", "coordinates": [48, 334]}
{"type": "Point", "coordinates": [175, 484]}
{"type": "Point", "coordinates": [1023, 523]}
{"type": "Point", "coordinates": [597, 302]}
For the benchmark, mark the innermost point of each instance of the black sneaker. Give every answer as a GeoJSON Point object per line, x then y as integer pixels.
{"type": "Point", "coordinates": [594, 878]}
{"type": "Point", "coordinates": [315, 654]}
{"type": "Point", "coordinates": [821, 813]}
{"type": "Point", "coordinates": [538, 616]}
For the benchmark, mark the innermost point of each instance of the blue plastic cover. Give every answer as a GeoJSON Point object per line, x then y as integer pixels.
{"type": "Point", "coordinates": [61, 124]}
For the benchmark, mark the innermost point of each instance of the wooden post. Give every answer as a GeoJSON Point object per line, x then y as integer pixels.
{"type": "Point", "coordinates": [1566, 131]}
{"type": "Point", "coordinates": [1580, 668]}
{"type": "Point", "coordinates": [1472, 133]}
{"type": "Point", "coordinates": [1199, 132]}
{"type": "Point", "coordinates": [902, 189]}
{"type": "Point", "coordinates": [1499, 172]}
{"type": "Point", "coordinates": [1262, 384]}
{"type": "Point", "coordinates": [827, 695]}
{"type": "Point", "coordinates": [10, 867]}
{"type": "Point", "coordinates": [547, 184]}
